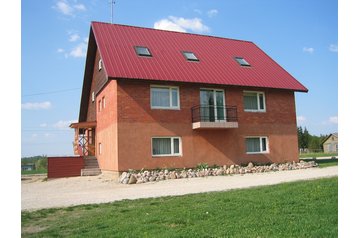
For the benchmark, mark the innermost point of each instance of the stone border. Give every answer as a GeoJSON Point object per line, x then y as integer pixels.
{"type": "Point", "coordinates": [144, 176]}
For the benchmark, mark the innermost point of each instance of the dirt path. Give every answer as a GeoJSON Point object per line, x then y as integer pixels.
{"type": "Point", "coordinates": [63, 192]}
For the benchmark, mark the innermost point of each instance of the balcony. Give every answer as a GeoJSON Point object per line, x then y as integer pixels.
{"type": "Point", "coordinates": [214, 117]}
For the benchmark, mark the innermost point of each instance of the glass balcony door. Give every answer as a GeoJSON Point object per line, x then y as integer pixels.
{"type": "Point", "coordinates": [212, 105]}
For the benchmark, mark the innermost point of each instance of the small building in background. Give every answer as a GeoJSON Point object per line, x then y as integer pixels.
{"type": "Point", "coordinates": [28, 167]}
{"type": "Point", "coordinates": [330, 144]}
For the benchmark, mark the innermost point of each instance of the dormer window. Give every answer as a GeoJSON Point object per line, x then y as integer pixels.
{"type": "Point", "coordinates": [142, 51]}
{"type": "Point", "coordinates": [242, 61]}
{"type": "Point", "coordinates": [190, 56]}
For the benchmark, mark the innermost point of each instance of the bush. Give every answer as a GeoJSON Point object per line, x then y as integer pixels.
{"type": "Point", "coordinates": [202, 166]}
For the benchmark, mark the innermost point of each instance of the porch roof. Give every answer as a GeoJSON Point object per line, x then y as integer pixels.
{"type": "Point", "coordinates": [85, 124]}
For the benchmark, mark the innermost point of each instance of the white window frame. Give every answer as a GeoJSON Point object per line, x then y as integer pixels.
{"type": "Point", "coordinates": [258, 93]}
{"type": "Point", "coordinates": [100, 148]}
{"type": "Point", "coordinates": [260, 138]}
{"type": "Point", "coordinates": [224, 102]}
{"type": "Point", "coordinates": [171, 107]}
{"type": "Point", "coordinates": [100, 64]}
{"type": "Point", "coordinates": [171, 146]}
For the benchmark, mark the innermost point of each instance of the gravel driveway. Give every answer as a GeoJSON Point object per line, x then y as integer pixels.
{"type": "Point", "coordinates": [37, 194]}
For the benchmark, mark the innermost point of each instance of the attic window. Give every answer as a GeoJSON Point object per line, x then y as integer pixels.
{"type": "Point", "coordinates": [142, 51]}
{"type": "Point", "coordinates": [100, 65]}
{"type": "Point", "coordinates": [242, 61]}
{"type": "Point", "coordinates": [190, 56]}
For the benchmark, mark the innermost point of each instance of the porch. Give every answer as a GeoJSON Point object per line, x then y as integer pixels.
{"type": "Point", "coordinates": [84, 143]}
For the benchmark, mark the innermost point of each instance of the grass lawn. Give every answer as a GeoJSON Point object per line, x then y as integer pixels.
{"type": "Point", "coordinates": [38, 171]}
{"type": "Point", "coordinates": [311, 155]}
{"type": "Point", "coordinates": [322, 163]}
{"type": "Point", "coordinates": [299, 209]}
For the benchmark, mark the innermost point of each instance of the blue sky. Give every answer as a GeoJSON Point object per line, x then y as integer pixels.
{"type": "Point", "coordinates": [301, 35]}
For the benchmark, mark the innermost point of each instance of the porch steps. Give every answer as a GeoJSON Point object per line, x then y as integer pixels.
{"type": "Point", "coordinates": [91, 166]}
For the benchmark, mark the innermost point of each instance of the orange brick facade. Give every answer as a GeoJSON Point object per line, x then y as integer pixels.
{"type": "Point", "coordinates": [126, 125]}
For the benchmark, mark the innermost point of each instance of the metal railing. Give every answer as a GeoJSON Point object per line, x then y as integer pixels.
{"type": "Point", "coordinates": [208, 113]}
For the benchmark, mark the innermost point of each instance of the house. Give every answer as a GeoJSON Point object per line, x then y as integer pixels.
{"type": "Point", "coordinates": [28, 167]}
{"type": "Point", "coordinates": [330, 144]}
{"type": "Point", "coordinates": [154, 98]}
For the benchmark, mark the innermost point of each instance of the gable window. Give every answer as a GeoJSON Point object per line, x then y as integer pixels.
{"type": "Point", "coordinates": [242, 61]}
{"type": "Point", "coordinates": [166, 146]}
{"type": "Point", "coordinates": [100, 65]}
{"type": "Point", "coordinates": [164, 97]}
{"type": "Point", "coordinates": [190, 56]}
{"type": "Point", "coordinates": [254, 101]}
{"type": "Point", "coordinates": [256, 145]}
{"type": "Point", "coordinates": [100, 105]}
{"type": "Point", "coordinates": [142, 51]}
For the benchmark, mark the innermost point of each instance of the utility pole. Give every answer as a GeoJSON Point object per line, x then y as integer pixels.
{"type": "Point", "coordinates": [112, 4]}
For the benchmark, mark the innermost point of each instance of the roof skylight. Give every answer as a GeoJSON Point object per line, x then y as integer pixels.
{"type": "Point", "coordinates": [190, 56]}
{"type": "Point", "coordinates": [242, 61]}
{"type": "Point", "coordinates": [142, 51]}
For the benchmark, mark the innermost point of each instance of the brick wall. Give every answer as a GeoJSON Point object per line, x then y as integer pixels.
{"type": "Point", "coordinates": [138, 123]}
{"type": "Point", "coordinates": [60, 167]}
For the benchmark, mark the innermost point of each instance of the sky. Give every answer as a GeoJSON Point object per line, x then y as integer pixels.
{"type": "Point", "coordinates": [300, 35]}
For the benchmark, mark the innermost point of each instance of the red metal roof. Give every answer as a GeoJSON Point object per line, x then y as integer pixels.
{"type": "Point", "coordinates": [216, 58]}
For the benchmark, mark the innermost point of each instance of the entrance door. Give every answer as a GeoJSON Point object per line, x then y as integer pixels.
{"type": "Point", "coordinates": [212, 105]}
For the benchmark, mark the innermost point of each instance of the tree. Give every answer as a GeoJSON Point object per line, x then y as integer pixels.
{"type": "Point", "coordinates": [305, 138]}
{"type": "Point", "coordinates": [300, 136]}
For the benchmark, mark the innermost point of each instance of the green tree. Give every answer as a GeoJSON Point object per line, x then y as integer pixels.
{"type": "Point", "coordinates": [300, 136]}
{"type": "Point", "coordinates": [305, 138]}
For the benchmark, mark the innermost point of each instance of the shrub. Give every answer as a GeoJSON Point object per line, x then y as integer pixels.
{"type": "Point", "coordinates": [202, 166]}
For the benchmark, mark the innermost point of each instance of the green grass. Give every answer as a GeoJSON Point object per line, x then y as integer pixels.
{"type": "Point", "coordinates": [322, 163]}
{"type": "Point", "coordinates": [311, 155]}
{"type": "Point", "coordinates": [38, 171]}
{"type": "Point", "coordinates": [299, 209]}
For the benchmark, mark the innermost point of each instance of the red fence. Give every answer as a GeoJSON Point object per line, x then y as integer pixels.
{"type": "Point", "coordinates": [60, 167]}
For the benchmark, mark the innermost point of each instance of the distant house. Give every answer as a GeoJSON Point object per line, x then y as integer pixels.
{"type": "Point", "coordinates": [154, 98]}
{"type": "Point", "coordinates": [28, 167]}
{"type": "Point", "coordinates": [330, 144]}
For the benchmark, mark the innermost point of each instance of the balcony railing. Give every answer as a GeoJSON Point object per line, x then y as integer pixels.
{"type": "Point", "coordinates": [206, 116]}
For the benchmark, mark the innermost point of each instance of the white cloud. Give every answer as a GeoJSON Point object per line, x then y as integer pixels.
{"type": "Point", "coordinates": [333, 48]}
{"type": "Point", "coordinates": [212, 12]}
{"type": "Point", "coordinates": [333, 120]}
{"type": "Point", "coordinates": [79, 51]}
{"type": "Point", "coordinates": [68, 9]}
{"type": "Point", "coordinates": [74, 37]}
{"type": "Point", "coordinates": [198, 11]}
{"type": "Point", "coordinates": [36, 105]}
{"type": "Point", "coordinates": [62, 124]}
{"type": "Point", "coordinates": [60, 50]}
{"type": "Point", "coordinates": [80, 7]}
{"type": "Point", "coordinates": [309, 50]}
{"type": "Point", "coordinates": [301, 119]}
{"type": "Point", "coordinates": [63, 7]}
{"type": "Point", "coordinates": [181, 24]}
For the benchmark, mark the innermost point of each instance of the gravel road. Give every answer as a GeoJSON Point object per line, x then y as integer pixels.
{"type": "Point", "coordinates": [38, 194]}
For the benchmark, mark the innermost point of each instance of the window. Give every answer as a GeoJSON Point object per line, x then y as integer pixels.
{"type": "Point", "coordinates": [212, 105]}
{"type": "Point", "coordinates": [254, 101]}
{"type": "Point", "coordinates": [142, 51]}
{"type": "Point", "coordinates": [166, 146]}
{"type": "Point", "coordinates": [100, 105]}
{"type": "Point", "coordinates": [93, 97]}
{"type": "Point", "coordinates": [256, 145]}
{"type": "Point", "coordinates": [100, 65]}
{"type": "Point", "coordinates": [162, 97]}
{"type": "Point", "coordinates": [100, 148]}
{"type": "Point", "coordinates": [103, 102]}
{"type": "Point", "coordinates": [242, 61]}
{"type": "Point", "coordinates": [190, 56]}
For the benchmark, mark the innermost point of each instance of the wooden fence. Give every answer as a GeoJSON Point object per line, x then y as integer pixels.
{"type": "Point", "coordinates": [60, 167]}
